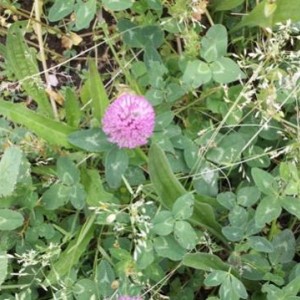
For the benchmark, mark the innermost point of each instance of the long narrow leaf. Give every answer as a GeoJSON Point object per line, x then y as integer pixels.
{"type": "Point", "coordinates": [97, 92]}
{"type": "Point", "coordinates": [53, 132]}
{"type": "Point", "coordinates": [23, 63]}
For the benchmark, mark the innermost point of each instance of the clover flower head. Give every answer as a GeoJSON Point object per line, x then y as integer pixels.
{"type": "Point", "coordinates": [129, 121]}
{"type": "Point", "coordinates": [130, 298]}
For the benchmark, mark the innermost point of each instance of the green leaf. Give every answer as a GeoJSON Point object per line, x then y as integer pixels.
{"type": "Point", "coordinates": [238, 287]}
{"type": "Point", "coordinates": [145, 257]}
{"type": "Point", "coordinates": [225, 70]}
{"type": "Point", "coordinates": [220, 5]}
{"type": "Point", "coordinates": [233, 233]}
{"type": "Point", "coordinates": [77, 196]}
{"type": "Point", "coordinates": [248, 196]}
{"type": "Point", "coordinates": [134, 36]}
{"type": "Point", "coordinates": [268, 209]}
{"type": "Point", "coordinates": [23, 63]}
{"type": "Point", "coordinates": [205, 180]}
{"type": "Point", "coordinates": [67, 171]}
{"type": "Point", "coordinates": [56, 196]}
{"type": "Point", "coordinates": [291, 204]}
{"type": "Point", "coordinates": [204, 262]}
{"type": "Point", "coordinates": [97, 91]}
{"type": "Point", "coordinates": [10, 219]}
{"type": "Point", "coordinates": [267, 14]}
{"type": "Point", "coordinates": [72, 108]}
{"type": "Point", "coordinates": [195, 74]}
{"type": "Point", "coordinates": [84, 289]}
{"type": "Point", "coordinates": [60, 9]}
{"type": "Point", "coordinates": [9, 170]}
{"type": "Point", "coordinates": [228, 150]}
{"type": "Point", "coordinates": [85, 12]}
{"type": "Point", "coordinates": [117, 5]}
{"type": "Point", "coordinates": [227, 199]}
{"type": "Point", "coordinates": [265, 182]}
{"type": "Point", "coordinates": [183, 207]}
{"type": "Point", "coordinates": [163, 223]}
{"type": "Point", "coordinates": [71, 255]}
{"type": "Point", "coordinates": [215, 278]}
{"type": "Point", "coordinates": [116, 163]}
{"type": "Point", "coordinates": [238, 216]}
{"type": "Point", "coordinates": [53, 132]}
{"type": "Point", "coordinates": [185, 235]}
{"type": "Point", "coordinates": [166, 246]}
{"type": "Point", "coordinates": [260, 244]}
{"type": "Point", "coordinates": [93, 185]}
{"type": "Point", "coordinates": [104, 278]}
{"type": "Point", "coordinates": [166, 185]}
{"type": "Point", "coordinates": [91, 140]}
{"type": "Point", "coordinates": [285, 246]}
{"type": "Point", "coordinates": [3, 266]}
{"type": "Point", "coordinates": [214, 43]}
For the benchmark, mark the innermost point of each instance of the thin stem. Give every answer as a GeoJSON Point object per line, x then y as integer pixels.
{"type": "Point", "coordinates": [38, 29]}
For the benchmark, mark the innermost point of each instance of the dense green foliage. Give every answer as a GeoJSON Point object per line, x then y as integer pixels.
{"type": "Point", "coordinates": [209, 209]}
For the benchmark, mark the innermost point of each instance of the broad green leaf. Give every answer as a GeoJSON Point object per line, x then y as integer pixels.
{"type": "Point", "coordinates": [53, 132]}
{"type": "Point", "coordinates": [238, 216]}
{"type": "Point", "coordinates": [214, 43]}
{"type": "Point", "coordinates": [183, 207]}
{"type": "Point", "coordinates": [56, 196]}
{"type": "Point", "coordinates": [72, 108]}
{"type": "Point", "coordinates": [166, 246]}
{"type": "Point", "coordinates": [285, 247]}
{"type": "Point", "coordinates": [256, 157]}
{"type": "Point", "coordinates": [228, 150]}
{"type": "Point", "coordinates": [205, 180]}
{"type": "Point", "coordinates": [185, 235]}
{"type": "Point", "coordinates": [204, 262]}
{"type": "Point", "coordinates": [163, 223]}
{"type": "Point", "coordinates": [97, 92]}
{"type": "Point", "coordinates": [220, 5]}
{"type": "Point", "coordinates": [215, 278]}
{"type": "Point", "coordinates": [225, 70]}
{"type": "Point", "coordinates": [10, 219]}
{"type": "Point", "coordinates": [9, 170]}
{"type": "Point", "coordinates": [227, 199]}
{"type": "Point", "coordinates": [146, 256]}
{"type": "Point", "coordinates": [84, 289]}
{"type": "Point", "coordinates": [141, 37]}
{"type": "Point", "coordinates": [248, 196]}
{"type": "Point", "coordinates": [91, 140]}
{"type": "Point", "coordinates": [116, 163]}
{"type": "Point", "coordinates": [23, 63]}
{"type": "Point", "coordinates": [267, 14]}
{"type": "Point", "coordinates": [238, 287]}
{"type": "Point", "coordinates": [226, 290]}
{"type": "Point", "coordinates": [104, 278]}
{"type": "Point", "coordinates": [260, 244]}
{"type": "Point", "coordinates": [60, 9]}
{"type": "Point", "coordinates": [3, 266]}
{"type": "Point", "coordinates": [255, 266]}
{"type": "Point", "coordinates": [268, 209]}
{"type": "Point", "coordinates": [195, 74]}
{"type": "Point", "coordinates": [291, 204]}
{"type": "Point", "coordinates": [67, 171]}
{"type": "Point", "coordinates": [77, 196]}
{"type": "Point", "coordinates": [265, 182]}
{"type": "Point", "coordinates": [85, 13]}
{"type": "Point", "coordinates": [233, 233]}
{"type": "Point", "coordinates": [117, 5]}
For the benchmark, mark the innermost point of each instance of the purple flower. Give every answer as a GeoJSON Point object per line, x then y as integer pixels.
{"type": "Point", "coordinates": [129, 121]}
{"type": "Point", "coordinates": [130, 298]}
